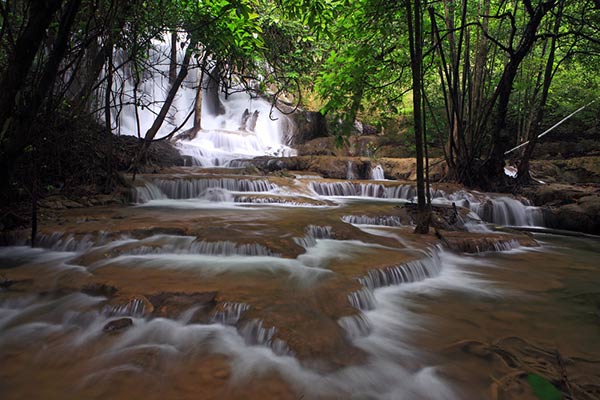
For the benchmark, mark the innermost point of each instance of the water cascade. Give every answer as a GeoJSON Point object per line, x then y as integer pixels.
{"type": "Point", "coordinates": [382, 220]}
{"type": "Point", "coordinates": [377, 173]}
{"type": "Point", "coordinates": [212, 189]}
{"type": "Point", "coordinates": [234, 126]}
{"type": "Point", "coordinates": [290, 300]}
{"type": "Point", "coordinates": [350, 175]}
{"type": "Point", "coordinates": [500, 210]}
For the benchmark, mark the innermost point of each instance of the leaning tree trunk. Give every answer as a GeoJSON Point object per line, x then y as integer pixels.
{"type": "Point", "coordinates": [151, 133]}
{"type": "Point", "coordinates": [494, 177]}
{"type": "Point", "coordinates": [523, 175]}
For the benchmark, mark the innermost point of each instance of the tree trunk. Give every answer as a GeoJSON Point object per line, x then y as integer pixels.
{"type": "Point", "coordinates": [151, 133]}
{"type": "Point", "coordinates": [416, 58]}
{"type": "Point", "coordinates": [523, 175]}
{"type": "Point", "coordinates": [173, 59]}
{"type": "Point", "coordinates": [494, 168]}
{"type": "Point", "coordinates": [108, 121]}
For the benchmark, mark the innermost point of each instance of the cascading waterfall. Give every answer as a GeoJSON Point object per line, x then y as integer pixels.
{"type": "Point", "coordinates": [380, 220]}
{"type": "Point", "coordinates": [363, 300]}
{"type": "Point", "coordinates": [230, 313]}
{"type": "Point", "coordinates": [314, 232]}
{"type": "Point", "coordinates": [133, 308]}
{"type": "Point", "coordinates": [212, 189]}
{"type": "Point", "coordinates": [500, 210]}
{"type": "Point", "coordinates": [377, 173]}
{"type": "Point", "coordinates": [350, 175]}
{"type": "Point", "coordinates": [341, 189]}
{"type": "Point", "coordinates": [254, 333]}
{"type": "Point", "coordinates": [60, 241]}
{"type": "Point", "coordinates": [233, 126]}
{"type": "Point", "coordinates": [412, 271]}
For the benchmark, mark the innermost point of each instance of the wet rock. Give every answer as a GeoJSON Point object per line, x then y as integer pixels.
{"type": "Point", "coordinates": [135, 306]}
{"type": "Point", "coordinates": [117, 325]}
{"type": "Point", "coordinates": [99, 289]}
{"type": "Point", "coordinates": [58, 202]}
{"type": "Point", "coordinates": [174, 304]}
{"type": "Point", "coordinates": [581, 217]}
{"type": "Point", "coordinates": [466, 242]}
{"type": "Point", "coordinates": [309, 125]}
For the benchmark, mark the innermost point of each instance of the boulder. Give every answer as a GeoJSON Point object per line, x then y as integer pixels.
{"type": "Point", "coordinates": [309, 125]}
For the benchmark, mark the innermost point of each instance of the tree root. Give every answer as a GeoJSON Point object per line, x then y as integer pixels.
{"type": "Point", "coordinates": [522, 358]}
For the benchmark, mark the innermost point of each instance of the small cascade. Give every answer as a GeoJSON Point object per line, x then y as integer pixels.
{"type": "Point", "coordinates": [133, 308]}
{"type": "Point", "coordinates": [509, 212]}
{"type": "Point", "coordinates": [189, 245]}
{"type": "Point", "coordinates": [228, 248]}
{"type": "Point", "coordinates": [507, 245]}
{"type": "Point", "coordinates": [212, 189]}
{"type": "Point", "coordinates": [59, 241]}
{"type": "Point", "coordinates": [149, 191]}
{"type": "Point", "coordinates": [230, 313]}
{"type": "Point", "coordinates": [362, 299]}
{"type": "Point", "coordinates": [254, 333]}
{"type": "Point", "coordinates": [412, 271]}
{"type": "Point", "coordinates": [374, 190]}
{"type": "Point", "coordinates": [377, 173]}
{"type": "Point", "coordinates": [314, 232]}
{"type": "Point", "coordinates": [382, 220]}
{"type": "Point", "coordinates": [355, 326]}
{"type": "Point", "coordinates": [350, 175]}
{"type": "Point", "coordinates": [499, 210]}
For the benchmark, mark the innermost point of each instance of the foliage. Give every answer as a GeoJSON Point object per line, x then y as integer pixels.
{"type": "Point", "coordinates": [542, 388]}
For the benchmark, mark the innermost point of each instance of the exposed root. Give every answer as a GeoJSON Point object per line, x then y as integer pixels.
{"type": "Point", "coordinates": [523, 358]}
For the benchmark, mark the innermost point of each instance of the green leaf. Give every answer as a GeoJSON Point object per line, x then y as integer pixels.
{"type": "Point", "coordinates": [543, 389]}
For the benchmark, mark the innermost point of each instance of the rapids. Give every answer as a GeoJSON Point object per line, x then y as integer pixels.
{"type": "Point", "coordinates": [327, 298]}
{"type": "Point", "coordinates": [218, 284]}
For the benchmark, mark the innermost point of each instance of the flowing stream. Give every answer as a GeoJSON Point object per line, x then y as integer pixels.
{"type": "Point", "coordinates": [255, 287]}
{"type": "Point", "coordinates": [216, 284]}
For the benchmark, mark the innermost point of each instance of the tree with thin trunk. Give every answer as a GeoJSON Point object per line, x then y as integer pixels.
{"type": "Point", "coordinates": [414, 21]}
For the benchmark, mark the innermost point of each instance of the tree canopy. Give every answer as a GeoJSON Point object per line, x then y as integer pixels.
{"type": "Point", "coordinates": [493, 73]}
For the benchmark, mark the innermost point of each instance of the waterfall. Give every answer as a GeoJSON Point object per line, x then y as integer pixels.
{"type": "Point", "coordinates": [222, 137]}
{"type": "Point", "coordinates": [212, 189]}
{"type": "Point", "coordinates": [313, 233]}
{"type": "Point", "coordinates": [412, 271]}
{"type": "Point", "coordinates": [375, 190]}
{"type": "Point", "coordinates": [350, 175]}
{"type": "Point", "coordinates": [500, 210]}
{"type": "Point", "coordinates": [59, 241]}
{"type": "Point", "coordinates": [362, 299]}
{"type": "Point", "coordinates": [133, 308]}
{"type": "Point", "coordinates": [377, 173]}
{"type": "Point", "coordinates": [254, 333]}
{"type": "Point", "coordinates": [382, 220]}
{"type": "Point", "coordinates": [230, 313]}
{"type": "Point", "coordinates": [355, 326]}
{"type": "Point", "coordinates": [166, 244]}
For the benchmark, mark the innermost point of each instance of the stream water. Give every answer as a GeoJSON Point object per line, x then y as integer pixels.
{"type": "Point", "coordinates": [286, 294]}
{"type": "Point", "coordinates": [217, 284]}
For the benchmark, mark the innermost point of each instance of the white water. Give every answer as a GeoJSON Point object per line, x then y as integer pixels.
{"type": "Point", "coordinates": [381, 330]}
{"type": "Point", "coordinates": [377, 173]}
{"type": "Point", "coordinates": [223, 138]}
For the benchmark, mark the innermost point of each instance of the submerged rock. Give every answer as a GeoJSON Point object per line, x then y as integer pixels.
{"type": "Point", "coordinates": [117, 325]}
{"type": "Point", "coordinates": [174, 304]}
